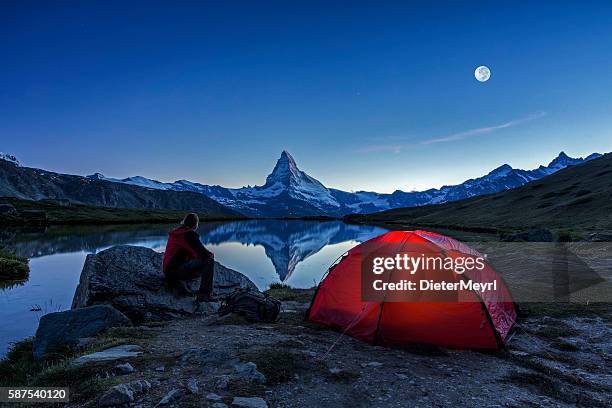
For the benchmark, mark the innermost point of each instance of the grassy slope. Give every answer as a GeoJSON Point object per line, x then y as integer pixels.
{"type": "Point", "coordinates": [577, 198]}
{"type": "Point", "coordinates": [84, 214]}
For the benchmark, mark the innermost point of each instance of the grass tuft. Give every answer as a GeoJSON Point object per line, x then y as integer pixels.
{"type": "Point", "coordinates": [280, 365]}
{"type": "Point", "coordinates": [13, 267]}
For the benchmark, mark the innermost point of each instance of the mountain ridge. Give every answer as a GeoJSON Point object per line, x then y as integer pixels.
{"type": "Point", "coordinates": [36, 184]}
{"type": "Point", "coordinates": [290, 192]}
{"type": "Point", "coordinates": [573, 199]}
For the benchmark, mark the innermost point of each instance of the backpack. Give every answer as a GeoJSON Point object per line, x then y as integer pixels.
{"type": "Point", "coordinates": [253, 306]}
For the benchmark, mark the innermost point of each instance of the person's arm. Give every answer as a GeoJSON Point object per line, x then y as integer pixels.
{"type": "Point", "coordinates": [193, 240]}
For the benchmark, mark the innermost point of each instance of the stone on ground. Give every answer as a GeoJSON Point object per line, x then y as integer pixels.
{"type": "Point", "coordinates": [126, 368]}
{"type": "Point", "coordinates": [249, 402]}
{"type": "Point", "coordinates": [213, 397]}
{"type": "Point", "coordinates": [123, 394]}
{"type": "Point", "coordinates": [118, 395]}
{"type": "Point", "coordinates": [110, 354]}
{"type": "Point", "coordinates": [248, 371]}
{"type": "Point", "coordinates": [192, 386]}
{"type": "Point", "coordinates": [170, 397]}
{"type": "Point", "coordinates": [64, 329]}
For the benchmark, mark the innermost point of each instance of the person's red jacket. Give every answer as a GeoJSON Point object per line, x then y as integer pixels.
{"type": "Point", "coordinates": [183, 245]}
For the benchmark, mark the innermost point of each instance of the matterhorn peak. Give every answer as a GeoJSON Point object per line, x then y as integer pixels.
{"type": "Point", "coordinates": [285, 171]}
{"type": "Point", "coordinates": [286, 156]}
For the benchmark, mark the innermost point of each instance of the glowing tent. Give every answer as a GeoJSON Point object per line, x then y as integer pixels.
{"type": "Point", "coordinates": [479, 319]}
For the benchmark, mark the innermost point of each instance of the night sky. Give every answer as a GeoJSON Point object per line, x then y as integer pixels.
{"type": "Point", "coordinates": [374, 96]}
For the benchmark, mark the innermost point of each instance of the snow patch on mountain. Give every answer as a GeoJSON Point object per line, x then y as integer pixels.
{"type": "Point", "coordinates": [9, 158]}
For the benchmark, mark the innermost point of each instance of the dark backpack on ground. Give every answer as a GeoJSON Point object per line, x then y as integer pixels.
{"type": "Point", "coordinates": [253, 306]}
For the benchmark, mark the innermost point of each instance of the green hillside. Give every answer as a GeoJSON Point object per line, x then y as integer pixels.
{"type": "Point", "coordinates": [577, 198]}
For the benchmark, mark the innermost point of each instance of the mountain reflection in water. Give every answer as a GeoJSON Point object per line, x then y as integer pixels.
{"type": "Point", "coordinates": [285, 243]}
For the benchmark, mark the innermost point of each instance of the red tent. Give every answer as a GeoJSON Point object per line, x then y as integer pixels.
{"type": "Point", "coordinates": [480, 320]}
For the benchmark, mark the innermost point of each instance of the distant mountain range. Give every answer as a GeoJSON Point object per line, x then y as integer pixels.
{"type": "Point", "coordinates": [576, 199]}
{"type": "Point", "coordinates": [35, 184]}
{"type": "Point", "coordinates": [288, 191]}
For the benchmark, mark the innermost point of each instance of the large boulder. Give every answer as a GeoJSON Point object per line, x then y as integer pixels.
{"type": "Point", "coordinates": [61, 330]}
{"type": "Point", "coordinates": [130, 278]}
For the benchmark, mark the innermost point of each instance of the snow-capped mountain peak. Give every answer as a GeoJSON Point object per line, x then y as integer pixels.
{"type": "Point", "coordinates": [285, 172]}
{"type": "Point", "coordinates": [145, 182]}
{"type": "Point", "coordinates": [501, 171]}
{"type": "Point", "coordinates": [96, 176]}
{"type": "Point", "coordinates": [592, 156]}
{"type": "Point", "coordinates": [563, 160]}
{"type": "Point", "coordinates": [9, 158]}
{"type": "Point", "coordinates": [288, 180]}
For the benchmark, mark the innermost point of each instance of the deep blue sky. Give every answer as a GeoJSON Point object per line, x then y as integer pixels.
{"type": "Point", "coordinates": [365, 96]}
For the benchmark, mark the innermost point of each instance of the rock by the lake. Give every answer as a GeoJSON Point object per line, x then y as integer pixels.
{"type": "Point", "coordinates": [123, 394]}
{"type": "Point", "coordinates": [110, 354]}
{"type": "Point", "coordinates": [118, 395]}
{"type": "Point", "coordinates": [170, 397]}
{"type": "Point", "coordinates": [218, 405]}
{"type": "Point", "coordinates": [249, 402]}
{"type": "Point", "coordinates": [130, 278]}
{"type": "Point", "coordinates": [248, 371]}
{"type": "Point", "coordinates": [65, 329]}
{"type": "Point", "coordinates": [126, 368]}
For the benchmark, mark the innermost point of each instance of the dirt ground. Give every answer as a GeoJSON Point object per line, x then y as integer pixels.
{"type": "Point", "coordinates": [554, 359]}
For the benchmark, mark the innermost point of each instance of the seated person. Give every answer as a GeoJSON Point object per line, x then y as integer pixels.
{"type": "Point", "coordinates": [186, 259]}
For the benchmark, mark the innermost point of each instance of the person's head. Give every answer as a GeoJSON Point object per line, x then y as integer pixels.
{"type": "Point", "coordinates": [191, 220]}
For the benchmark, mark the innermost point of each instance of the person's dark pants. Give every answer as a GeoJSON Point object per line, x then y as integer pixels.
{"type": "Point", "coordinates": [196, 268]}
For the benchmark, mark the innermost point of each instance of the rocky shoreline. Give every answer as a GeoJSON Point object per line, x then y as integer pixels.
{"type": "Point", "coordinates": [557, 356]}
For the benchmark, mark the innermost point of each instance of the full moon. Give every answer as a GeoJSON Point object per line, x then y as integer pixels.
{"type": "Point", "coordinates": [482, 73]}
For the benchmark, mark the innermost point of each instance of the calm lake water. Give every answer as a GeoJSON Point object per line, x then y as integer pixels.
{"type": "Point", "coordinates": [296, 253]}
